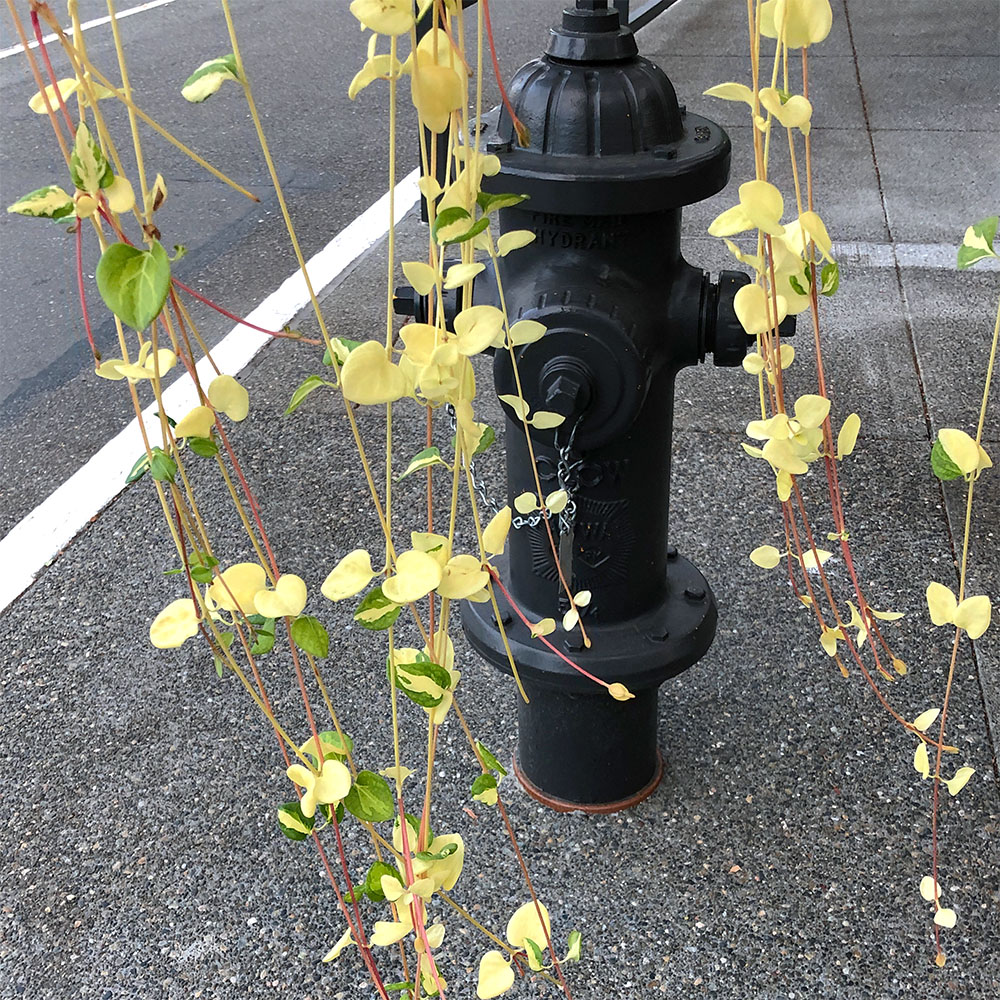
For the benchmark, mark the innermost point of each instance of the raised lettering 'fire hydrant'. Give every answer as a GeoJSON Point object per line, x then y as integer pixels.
{"type": "Point", "coordinates": [611, 162]}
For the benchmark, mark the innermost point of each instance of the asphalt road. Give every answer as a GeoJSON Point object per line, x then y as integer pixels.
{"type": "Point", "coordinates": [300, 56]}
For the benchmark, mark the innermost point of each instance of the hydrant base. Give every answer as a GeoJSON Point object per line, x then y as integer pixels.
{"type": "Point", "coordinates": [598, 808]}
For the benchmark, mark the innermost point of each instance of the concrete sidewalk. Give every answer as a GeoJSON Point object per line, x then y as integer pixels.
{"type": "Point", "coordinates": [781, 856]}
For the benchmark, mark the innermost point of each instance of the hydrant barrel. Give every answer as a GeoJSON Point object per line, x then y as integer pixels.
{"type": "Point", "coordinates": [611, 162]}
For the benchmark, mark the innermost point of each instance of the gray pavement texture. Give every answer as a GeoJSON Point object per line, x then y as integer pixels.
{"type": "Point", "coordinates": [780, 857]}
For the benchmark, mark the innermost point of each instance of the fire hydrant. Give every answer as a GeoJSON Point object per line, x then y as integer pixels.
{"type": "Point", "coordinates": [611, 162]}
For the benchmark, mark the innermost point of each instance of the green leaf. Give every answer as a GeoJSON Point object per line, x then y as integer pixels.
{"type": "Point", "coordinates": [373, 880]}
{"type": "Point", "coordinates": [217, 663]}
{"type": "Point", "coordinates": [88, 166]}
{"type": "Point", "coordinates": [423, 460]}
{"type": "Point", "coordinates": [483, 783]}
{"type": "Point", "coordinates": [536, 952]}
{"type": "Point", "coordinates": [797, 285]}
{"type": "Point", "coordinates": [201, 574]}
{"type": "Point", "coordinates": [206, 447]}
{"type": "Point", "coordinates": [209, 77]}
{"type": "Point", "coordinates": [138, 470]}
{"type": "Point", "coordinates": [333, 745]}
{"type": "Point", "coordinates": [293, 824]}
{"type": "Point", "coordinates": [348, 344]}
{"type": "Point", "coordinates": [406, 681]}
{"type": "Point", "coordinates": [264, 631]}
{"type": "Point", "coordinates": [163, 467]}
{"type": "Point", "coordinates": [574, 941]}
{"type": "Point", "coordinates": [446, 852]}
{"type": "Point", "coordinates": [943, 467]}
{"type": "Point", "coordinates": [396, 987]}
{"type": "Point", "coordinates": [370, 798]}
{"type": "Point", "coordinates": [447, 218]}
{"type": "Point", "coordinates": [474, 230]}
{"type": "Point", "coordinates": [487, 438]}
{"type": "Point", "coordinates": [829, 278]}
{"type": "Point", "coordinates": [49, 202]}
{"type": "Point", "coordinates": [493, 202]}
{"type": "Point", "coordinates": [376, 611]}
{"type": "Point", "coordinates": [312, 383]}
{"type": "Point", "coordinates": [977, 244]}
{"type": "Point", "coordinates": [134, 283]}
{"type": "Point", "coordinates": [309, 634]}
{"type": "Point", "coordinates": [489, 760]}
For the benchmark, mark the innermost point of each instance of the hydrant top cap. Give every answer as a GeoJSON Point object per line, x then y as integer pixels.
{"type": "Point", "coordinates": [591, 32]}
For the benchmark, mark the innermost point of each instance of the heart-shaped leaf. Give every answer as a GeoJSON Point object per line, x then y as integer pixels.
{"type": "Point", "coordinates": [286, 600]}
{"type": "Point", "coordinates": [134, 283]}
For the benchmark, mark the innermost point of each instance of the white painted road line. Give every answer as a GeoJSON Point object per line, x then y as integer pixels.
{"type": "Point", "coordinates": [97, 22]}
{"type": "Point", "coordinates": [39, 537]}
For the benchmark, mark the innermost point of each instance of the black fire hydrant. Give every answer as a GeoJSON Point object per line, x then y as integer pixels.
{"type": "Point", "coordinates": [611, 162]}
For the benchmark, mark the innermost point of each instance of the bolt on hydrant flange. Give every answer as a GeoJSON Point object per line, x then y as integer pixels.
{"type": "Point", "coordinates": [611, 162]}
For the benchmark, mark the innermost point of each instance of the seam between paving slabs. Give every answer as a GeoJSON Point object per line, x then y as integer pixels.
{"type": "Point", "coordinates": [952, 538]}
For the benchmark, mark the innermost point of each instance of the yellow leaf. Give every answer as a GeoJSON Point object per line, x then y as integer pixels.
{"type": "Point", "coordinates": [783, 484]}
{"type": "Point", "coordinates": [516, 403]}
{"type": "Point", "coordinates": [930, 889]}
{"type": "Point", "coordinates": [619, 692]}
{"type": "Point", "coordinates": [67, 87]}
{"type": "Point", "coordinates": [797, 22]}
{"type": "Point", "coordinates": [477, 327]}
{"type": "Point", "coordinates": [526, 331]}
{"type": "Point", "coordinates": [387, 17]}
{"type": "Point", "coordinates": [753, 364]}
{"type": "Point", "coordinates": [848, 436]}
{"type": "Point", "coordinates": [525, 923]}
{"type": "Point", "coordinates": [755, 309]}
{"type": "Point", "coordinates": [421, 276]}
{"type": "Point", "coordinates": [920, 761]}
{"type": "Point", "coordinates": [765, 556]}
{"type": "Point", "coordinates": [763, 205]}
{"type": "Point", "coordinates": [525, 503]}
{"type": "Point", "coordinates": [961, 779]}
{"type": "Point", "coordinates": [556, 501]}
{"type": "Point", "coordinates": [236, 587]}
{"type": "Point", "coordinates": [939, 959]}
{"type": "Point", "coordinates": [545, 627]}
{"type": "Point", "coordinates": [811, 411]}
{"type": "Point", "coordinates": [417, 574]}
{"type": "Point", "coordinates": [814, 558]}
{"type": "Point", "coordinates": [899, 666]}
{"type": "Point", "coordinates": [227, 395]}
{"type": "Point", "coordinates": [571, 619]}
{"type": "Point", "coordinates": [784, 456]}
{"type": "Point", "coordinates": [495, 535]}
{"type": "Point", "coordinates": [925, 719]}
{"type": "Point", "coordinates": [545, 420]}
{"type": "Point", "coordinates": [815, 229]}
{"type": "Point", "coordinates": [174, 625]}
{"type": "Point", "coordinates": [344, 941]}
{"type": "Point", "coordinates": [462, 575]}
{"type": "Point", "coordinates": [387, 932]}
{"type": "Point", "coordinates": [120, 195]}
{"type": "Point", "coordinates": [369, 377]}
{"type": "Point", "coordinates": [459, 274]}
{"type": "Point", "coordinates": [828, 640]}
{"type": "Point", "coordinates": [196, 423]}
{"type": "Point", "coordinates": [514, 240]}
{"type": "Point", "coordinates": [941, 603]}
{"type": "Point", "coordinates": [582, 598]}
{"type": "Point", "coordinates": [731, 92]}
{"type": "Point", "coordinates": [973, 614]}
{"type": "Point", "coordinates": [961, 449]}
{"type": "Point", "coordinates": [286, 600]}
{"type": "Point", "coordinates": [945, 917]}
{"type": "Point", "coordinates": [349, 577]}
{"type": "Point", "coordinates": [156, 195]}
{"type": "Point", "coordinates": [793, 113]}
{"type": "Point", "coordinates": [495, 976]}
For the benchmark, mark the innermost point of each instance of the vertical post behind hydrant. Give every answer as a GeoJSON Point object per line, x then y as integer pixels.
{"type": "Point", "coordinates": [611, 162]}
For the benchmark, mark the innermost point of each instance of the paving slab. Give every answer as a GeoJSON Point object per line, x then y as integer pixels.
{"type": "Point", "coordinates": [936, 183]}
{"type": "Point", "coordinates": [952, 316]}
{"type": "Point", "coordinates": [844, 181]}
{"type": "Point", "coordinates": [925, 28]}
